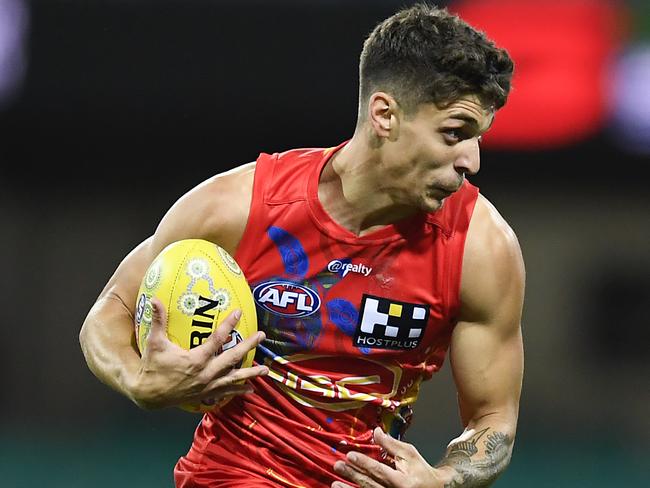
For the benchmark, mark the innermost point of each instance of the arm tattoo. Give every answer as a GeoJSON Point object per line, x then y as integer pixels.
{"type": "Point", "coordinates": [482, 472]}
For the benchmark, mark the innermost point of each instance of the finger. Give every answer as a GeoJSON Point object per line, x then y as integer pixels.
{"type": "Point", "coordinates": [214, 397]}
{"type": "Point", "coordinates": [232, 357]}
{"type": "Point", "coordinates": [339, 484]}
{"type": "Point", "coordinates": [372, 468]}
{"type": "Point", "coordinates": [220, 335]}
{"type": "Point", "coordinates": [349, 472]}
{"type": "Point", "coordinates": [392, 446]}
{"type": "Point", "coordinates": [235, 377]}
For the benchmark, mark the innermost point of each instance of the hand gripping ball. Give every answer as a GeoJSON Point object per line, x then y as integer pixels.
{"type": "Point", "coordinates": [199, 284]}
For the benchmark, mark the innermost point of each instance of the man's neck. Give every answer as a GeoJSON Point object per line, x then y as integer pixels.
{"type": "Point", "coordinates": [350, 190]}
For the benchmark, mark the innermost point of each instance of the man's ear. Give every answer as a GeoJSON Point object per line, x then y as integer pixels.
{"type": "Point", "coordinates": [383, 115]}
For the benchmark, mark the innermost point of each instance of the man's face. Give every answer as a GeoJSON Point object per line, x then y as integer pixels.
{"type": "Point", "coordinates": [433, 151]}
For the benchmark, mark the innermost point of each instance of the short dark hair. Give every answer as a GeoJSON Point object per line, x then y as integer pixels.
{"type": "Point", "coordinates": [425, 54]}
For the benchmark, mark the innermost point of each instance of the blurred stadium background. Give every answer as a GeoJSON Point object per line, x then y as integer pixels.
{"type": "Point", "coordinates": [111, 109]}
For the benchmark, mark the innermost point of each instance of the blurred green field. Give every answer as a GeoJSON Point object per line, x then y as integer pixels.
{"type": "Point", "coordinates": [119, 458]}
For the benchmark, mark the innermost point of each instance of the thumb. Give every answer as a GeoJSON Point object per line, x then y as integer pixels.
{"type": "Point", "coordinates": [158, 329]}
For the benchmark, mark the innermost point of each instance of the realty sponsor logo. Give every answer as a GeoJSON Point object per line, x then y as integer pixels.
{"type": "Point", "coordinates": [390, 324]}
{"type": "Point", "coordinates": [344, 267]}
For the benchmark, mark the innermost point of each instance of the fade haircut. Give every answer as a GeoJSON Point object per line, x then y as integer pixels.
{"type": "Point", "coordinates": [425, 54]}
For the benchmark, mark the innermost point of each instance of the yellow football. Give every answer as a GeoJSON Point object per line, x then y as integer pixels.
{"type": "Point", "coordinates": [199, 284]}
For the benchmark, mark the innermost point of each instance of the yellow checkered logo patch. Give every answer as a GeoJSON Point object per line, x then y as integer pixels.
{"type": "Point", "coordinates": [390, 324]}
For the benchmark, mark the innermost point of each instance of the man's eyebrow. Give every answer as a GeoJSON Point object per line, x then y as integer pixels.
{"type": "Point", "coordinates": [466, 118]}
{"type": "Point", "coordinates": [470, 120]}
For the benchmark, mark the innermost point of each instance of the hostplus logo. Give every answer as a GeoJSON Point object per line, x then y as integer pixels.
{"type": "Point", "coordinates": [389, 324]}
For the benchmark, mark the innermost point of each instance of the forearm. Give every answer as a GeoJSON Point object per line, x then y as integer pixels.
{"type": "Point", "coordinates": [107, 342]}
{"type": "Point", "coordinates": [478, 456]}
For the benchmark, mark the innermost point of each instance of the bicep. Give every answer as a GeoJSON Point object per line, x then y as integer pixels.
{"type": "Point", "coordinates": [197, 214]}
{"type": "Point", "coordinates": [486, 352]}
{"type": "Point", "coordinates": [487, 369]}
{"type": "Point", "coordinates": [123, 285]}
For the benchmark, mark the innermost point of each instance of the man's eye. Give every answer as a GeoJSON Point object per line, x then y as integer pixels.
{"type": "Point", "coordinates": [453, 135]}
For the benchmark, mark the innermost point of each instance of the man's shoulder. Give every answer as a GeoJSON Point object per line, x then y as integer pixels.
{"type": "Point", "coordinates": [217, 208]}
{"type": "Point", "coordinates": [493, 264]}
{"type": "Point", "coordinates": [229, 185]}
{"type": "Point", "coordinates": [493, 273]}
{"type": "Point", "coordinates": [489, 225]}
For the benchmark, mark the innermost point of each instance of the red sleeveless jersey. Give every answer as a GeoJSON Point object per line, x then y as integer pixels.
{"type": "Point", "coordinates": [353, 325]}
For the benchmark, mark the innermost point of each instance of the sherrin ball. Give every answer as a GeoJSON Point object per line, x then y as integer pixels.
{"type": "Point", "coordinates": [199, 284]}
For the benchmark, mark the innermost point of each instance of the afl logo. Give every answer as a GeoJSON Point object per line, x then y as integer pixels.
{"type": "Point", "coordinates": [286, 298]}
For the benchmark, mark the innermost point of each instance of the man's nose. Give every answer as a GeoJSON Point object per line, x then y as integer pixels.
{"type": "Point", "coordinates": [468, 160]}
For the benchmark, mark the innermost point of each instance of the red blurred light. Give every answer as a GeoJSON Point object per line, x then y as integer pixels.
{"type": "Point", "coordinates": [563, 52]}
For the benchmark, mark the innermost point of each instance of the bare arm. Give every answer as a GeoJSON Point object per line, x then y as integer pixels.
{"type": "Point", "coordinates": [487, 352]}
{"type": "Point", "coordinates": [166, 374]}
{"type": "Point", "coordinates": [487, 365]}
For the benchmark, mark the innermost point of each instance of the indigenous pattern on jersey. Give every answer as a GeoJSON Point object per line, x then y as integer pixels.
{"type": "Point", "coordinates": [353, 325]}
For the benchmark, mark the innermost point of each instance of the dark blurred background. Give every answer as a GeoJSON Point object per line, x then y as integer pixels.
{"type": "Point", "coordinates": [110, 110]}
